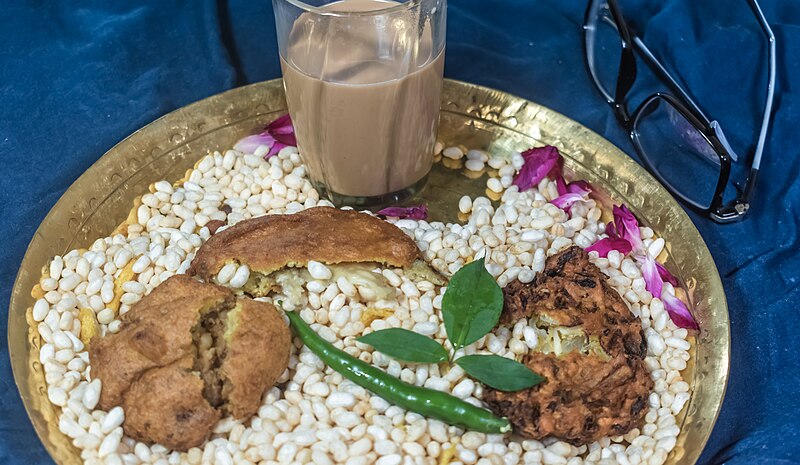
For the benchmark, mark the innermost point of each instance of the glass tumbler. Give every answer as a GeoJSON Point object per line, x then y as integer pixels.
{"type": "Point", "coordinates": [363, 80]}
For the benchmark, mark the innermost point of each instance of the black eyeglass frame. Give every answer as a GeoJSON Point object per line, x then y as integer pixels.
{"type": "Point", "coordinates": [710, 130]}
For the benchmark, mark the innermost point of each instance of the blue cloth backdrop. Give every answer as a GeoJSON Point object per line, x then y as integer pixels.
{"type": "Point", "coordinates": [77, 77]}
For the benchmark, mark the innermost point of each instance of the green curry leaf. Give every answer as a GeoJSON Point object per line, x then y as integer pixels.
{"type": "Point", "coordinates": [406, 345]}
{"type": "Point", "coordinates": [499, 372]}
{"type": "Point", "coordinates": [471, 305]}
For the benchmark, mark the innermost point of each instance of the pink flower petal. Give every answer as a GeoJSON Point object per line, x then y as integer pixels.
{"type": "Point", "coordinates": [678, 312]}
{"type": "Point", "coordinates": [570, 193]}
{"type": "Point", "coordinates": [566, 201]}
{"type": "Point", "coordinates": [604, 246]}
{"type": "Point", "coordinates": [666, 275]}
{"type": "Point", "coordinates": [611, 230]}
{"type": "Point", "coordinates": [281, 123]}
{"type": "Point", "coordinates": [250, 143]}
{"type": "Point", "coordinates": [539, 162]}
{"type": "Point", "coordinates": [277, 147]}
{"type": "Point", "coordinates": [624, 236]}
{"type": "Point", "coordinates": [561, 185]}
{"type": "Point", "coordinates": [652, 279]}
{"type": "Point", "coordinates": [627, 226]}
{"type": "Point", "coordinates": [283, 131]}
{"type": "Point", "coordinates": [579, 187]}
{"type": "Point", "coordinates": [420, 212]}
{"type": "Point", "coordinates": [277, 135]}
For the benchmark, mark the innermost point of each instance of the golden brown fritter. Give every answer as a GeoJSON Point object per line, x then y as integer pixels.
{"type": "Point", "coordinates": [166, 406]}
{"type": "Point", "coordinates": [258, 345]}
{"type": "Point", "coordinates": [156, 331]}
{"type": "Point", "coordinates": [587, 394]}
{"type": "Point", "coordinates": [583, 399]}
{"type": "Point", "coordinates": [328, 235]}
{"type": "Point", "coordinates": [572, 291]}
{"type": "Point", "coordinates": [186, 355]}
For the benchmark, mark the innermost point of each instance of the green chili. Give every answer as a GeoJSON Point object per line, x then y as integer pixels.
{"type": "Point", "coordinates": [426, 402]}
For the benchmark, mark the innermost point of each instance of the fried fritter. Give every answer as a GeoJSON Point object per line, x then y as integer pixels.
{"type": "Point", "coordinates": [572, 291]}
{"type": "Point", "coordinates": [186, 355]}
{"type": "Point", "coordinates": [588, 392]}
{"type": "Point", "coordinates": [257, 353]}
{"type": "Point", "coordinates": [157, 331]}
{"type": "Point", "coordinates": [166, 406]}
{"type": "Point", "coordinates": [583, 399]}
{"type": "Point", "coordinates": [328, 235]}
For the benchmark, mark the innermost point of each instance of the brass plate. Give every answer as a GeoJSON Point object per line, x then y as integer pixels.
{"type": "Point", "coordinates": [476, 117]}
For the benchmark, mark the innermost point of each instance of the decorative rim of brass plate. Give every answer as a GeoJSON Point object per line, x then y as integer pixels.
{"type": "Point", "coordinates": [102, 197]}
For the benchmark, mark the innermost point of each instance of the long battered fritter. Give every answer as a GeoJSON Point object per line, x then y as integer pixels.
{"type": "Point", "coordinates": [587, 394]}
{"type": "Point", "coordinates": [329, 235]}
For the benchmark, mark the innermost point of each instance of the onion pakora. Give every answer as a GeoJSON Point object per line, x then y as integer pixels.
{"type": "Point", "coordinates": [591, 353]}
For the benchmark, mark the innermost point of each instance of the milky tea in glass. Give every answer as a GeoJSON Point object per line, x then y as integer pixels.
{"type": "Point", "coordinates": [363, 80]}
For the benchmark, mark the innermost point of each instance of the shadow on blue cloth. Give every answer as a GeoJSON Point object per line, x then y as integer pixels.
{"type": "Point", "coordinates": [74, 80]}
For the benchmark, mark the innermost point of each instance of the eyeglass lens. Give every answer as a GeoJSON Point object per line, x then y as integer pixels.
{"type": "Point", "coordinates": [677, 151]}
{"type": "Point", "coordinates": [604, 49]}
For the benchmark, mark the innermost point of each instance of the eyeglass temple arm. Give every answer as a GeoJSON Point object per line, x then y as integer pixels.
{"type": "Point", "coordinates": [641, 47]}
{"type": "Point", "coordinates": [765, 121]}
{"type": "Point", "coordinates": [762, 136]}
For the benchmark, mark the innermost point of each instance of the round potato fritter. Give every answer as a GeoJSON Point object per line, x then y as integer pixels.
{"type": "Point", "coordinates": [186, 355]}
{"type": "Point", "coordinates": [585, 396]}
{"type": "Point", "coordinates": [166, 406]}
{"type": "Point", "coordinates": [157, 331]}
{"type": "Point", "coordinates": [256, 356]}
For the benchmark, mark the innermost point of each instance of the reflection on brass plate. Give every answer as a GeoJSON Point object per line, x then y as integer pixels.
{"type": "Point", "coordinates": [475, 116]}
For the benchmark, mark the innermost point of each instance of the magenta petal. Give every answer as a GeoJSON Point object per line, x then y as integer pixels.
{"type": "Point", "coordinates": [287, 139]}
{"type": "Point", "coordinates": [611, 230]}
{"type": "Point", "coordinates": [652, 280]}
{"type": "Point", "coordinates": [666, 275]}
{"type": "Point", "coordinates": [558, 169]}
{"type": "Point", "coordinates": [420, 212]}
{"type": "Point", "coordinates": [561, 185]}
{"type": "Point", "coordinates": [579, 187]}
{"type": "Point", "coordinates": [281, 124]}
{"type": "Point", "coordinates": [678, 312]}
{"type": "Point", "coordinates": [277, 135]}
{"type": "Point", "coordinates": [249, 144]}
{"type": "Point", "coordinates": [276, 147]}
{"type": "Point", "coordinates": [565, 201]}
{"type": "Point", "coordinates": [539, 162]}
{"type": "Point", "coordinates": [627, 226]}
{"type": "Point", "coordinates": [283, 131]}
{"type": "Point", "coordinates": [570, 193]}
{"type": "Point", "coordinates": [604, 246]}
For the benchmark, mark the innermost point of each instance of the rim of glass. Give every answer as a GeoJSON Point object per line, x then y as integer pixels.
{"type": "Point", "coordinates": [323, 12]}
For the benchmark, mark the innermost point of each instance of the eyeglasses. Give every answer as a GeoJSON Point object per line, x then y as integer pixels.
{"type": "Point", "coordinates": [682, 147]}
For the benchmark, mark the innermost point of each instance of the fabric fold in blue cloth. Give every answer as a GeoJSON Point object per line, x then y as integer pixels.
{"type": "Point", "coordinates": [76, 79]}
